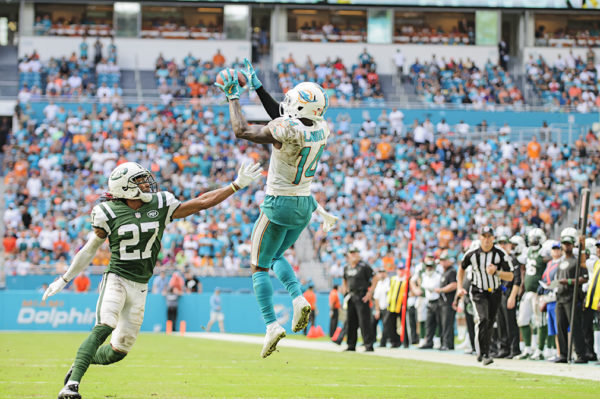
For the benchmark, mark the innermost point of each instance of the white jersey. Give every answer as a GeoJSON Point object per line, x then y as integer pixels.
{"type": "Point", "coordinates": [293, 166]}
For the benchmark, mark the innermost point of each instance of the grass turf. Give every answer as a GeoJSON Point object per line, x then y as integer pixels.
{"type": "Point", "coordinates": [32, 365]}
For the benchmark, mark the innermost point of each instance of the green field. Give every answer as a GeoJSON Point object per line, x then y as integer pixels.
{"type": "Point", "coordinates": [32, 365]}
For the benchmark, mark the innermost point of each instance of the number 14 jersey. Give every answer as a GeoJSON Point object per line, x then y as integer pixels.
{"type": "Point", "coordinates": [293, 166]}
{"type": "Point", "coordinates": [134, 235]}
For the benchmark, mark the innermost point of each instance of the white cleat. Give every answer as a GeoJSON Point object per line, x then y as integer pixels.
{"type": "Point", "coordinates": [301, 312]}
{"type": "Point", "coordinates": [274, 334]}
{"type": "Point", "coordinates": [69, 391]}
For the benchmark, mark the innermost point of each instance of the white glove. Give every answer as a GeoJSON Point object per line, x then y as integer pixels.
{"type": "Point", "coordinates": [54, 288]}
{"type": "Point", "coordinates": [247, 174]}
{"type": "Point", "coordinates": [329, 220]}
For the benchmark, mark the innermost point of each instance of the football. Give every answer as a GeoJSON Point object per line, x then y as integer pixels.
{"type": "Point", "coordinates": [241, 77]}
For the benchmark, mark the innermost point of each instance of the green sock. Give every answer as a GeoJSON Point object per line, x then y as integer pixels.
{"type": "Point", "coordinates": [550, 343]}
{"type": "Point", "coordinates": [422, 329]}
{"type": "Point", "coordinates": [88, 348]}
{"type": "Point", "coordinates": [526, 334]}
{"type": "Point", "coordinates": [542, 336]}
{"type": "Point", "coordinates": [107, 355]}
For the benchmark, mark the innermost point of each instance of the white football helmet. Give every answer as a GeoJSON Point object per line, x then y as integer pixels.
{"type": "Point", "coordinates": [570, 234]}
{"type": "Point", "coordinates": [125, 180]}
{"type": "Point", "coordinates": [306, 100]}
{"type": "Point", "coordinates": [536, 237]}
{"type": "Point", "coordinates": [546, 250]}
{"type": "Point", "coordinates": [519, 244]}
{"type": "Point", "coordinates": [590, 243]}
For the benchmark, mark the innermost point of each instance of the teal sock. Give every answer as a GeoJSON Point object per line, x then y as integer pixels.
{"type": "Point", "coordinates": [107, 355]}
{"type": "Point", "coordinates": [88, 349]}
{"type": "Point", "coordinates": [263, 290]}
{"type": "Point", "coordinates": [285, 273]}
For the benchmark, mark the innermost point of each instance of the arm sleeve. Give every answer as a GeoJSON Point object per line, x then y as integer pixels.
{"type": "Point", "coordinates": [84, 257]}
{"type": "Point", "coordinates": [506, 264]}
{"type": "Point", "coordinates": [172, 204]}
{"type": "Point", "coordinates": [517, 276]}
{"type": "Point", "coordinates": [269, 104]}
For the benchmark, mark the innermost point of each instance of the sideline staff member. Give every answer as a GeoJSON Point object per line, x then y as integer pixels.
{"type": "Point", "coordinates": [489, 265]}
{"type": "Point", "coordinates": [359, 282]}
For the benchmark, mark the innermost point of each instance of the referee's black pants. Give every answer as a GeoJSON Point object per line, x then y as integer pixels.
{"type": "Point", "coordinates": [333, 321]}
{"type": "Point", "coordinates": [448, 316]}
{"type": "Point", "coordinates": [411, 316]}
{"type": "Point", "coordinates": [359, 315]}
{"type": "Point", "coordinates": [588, 332]}
{"type": "Point", "coordinates": [508, 329]}
{"type": "Point", "coordinates": [486, 306]}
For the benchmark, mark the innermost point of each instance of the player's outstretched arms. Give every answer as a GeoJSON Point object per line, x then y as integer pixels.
{"type": "Point", "coordinates": [80, 262]}
{"type": "Point", "coordinates": [246, 175]}
{"type": "Point", "coordinates": [255, 133]}
{"type": "Point", "coordinates": [269, 104]}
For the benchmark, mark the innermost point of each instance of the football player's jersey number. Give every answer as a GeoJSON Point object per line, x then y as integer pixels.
{"type": "Point", "coordinates": [530, 267]}
{"type": "Point", "coordinates": [135, 240]}
{"type": "Point", "coordinates": [312, 167]}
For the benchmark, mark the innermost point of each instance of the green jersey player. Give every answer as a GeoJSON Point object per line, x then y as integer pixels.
{"type": "Point", "coordinates": [529, 310]}
{"type": "Point", "coordinates": [133, 219]}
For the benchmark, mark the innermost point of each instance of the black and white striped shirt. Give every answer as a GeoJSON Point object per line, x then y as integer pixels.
{"type": "Point", "coordinates": [479, 261]}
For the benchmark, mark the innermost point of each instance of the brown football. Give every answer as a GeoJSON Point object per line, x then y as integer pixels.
{"type": "Point", "coordinates": [241, 77]}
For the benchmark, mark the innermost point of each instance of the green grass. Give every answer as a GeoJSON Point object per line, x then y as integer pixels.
{"type": "Point", "coordinates": [32, 365]}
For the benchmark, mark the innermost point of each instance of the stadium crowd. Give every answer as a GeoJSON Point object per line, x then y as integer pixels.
{"type": "Point", "coordinates": [72, 77]}
{"type": "Point", "coordinates": [440, 81]}
{"type": "Point", "coordinates": [569, 82]}
{"type": "Point", "coordinates": [344, 85]}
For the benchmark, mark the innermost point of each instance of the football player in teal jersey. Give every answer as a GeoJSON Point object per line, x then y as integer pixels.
{"type": "Point", "coordinates": [133, 218]}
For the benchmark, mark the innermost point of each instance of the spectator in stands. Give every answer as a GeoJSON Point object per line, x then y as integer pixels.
{"type": "Point", "coordinates": [97, 51]}
{"type": "Point", "coordinates": [218, 59]}
{"type": "Point", "coordinates": [82, 282]}
{"type": "Point", "coordinates": [160, 283]}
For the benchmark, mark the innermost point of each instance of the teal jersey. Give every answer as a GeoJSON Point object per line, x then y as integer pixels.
{"type": "Point", "coordinates": [534, 268]}
{"type": "Point", "coordinates": [134, 235]}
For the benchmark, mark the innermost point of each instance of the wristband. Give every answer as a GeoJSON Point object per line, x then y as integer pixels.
{"type": "Point", "coordinates": [569, 281]}
{"type": "Point", "coordinates": [234, 187]}
{"type": "Point", "coordinates": [64, 279]}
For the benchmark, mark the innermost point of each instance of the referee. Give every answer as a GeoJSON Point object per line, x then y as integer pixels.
{"type": "Point", "coordinates": [489, 265]}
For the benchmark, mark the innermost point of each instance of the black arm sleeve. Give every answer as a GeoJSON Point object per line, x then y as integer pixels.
{"type": "Point", "coordinates": [516, 273]}
{"type": "Point", "coordinates": [270, 105]}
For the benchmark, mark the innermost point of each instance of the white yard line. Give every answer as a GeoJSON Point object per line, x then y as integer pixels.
{"type": "Point", "coordinates": [585, 372]}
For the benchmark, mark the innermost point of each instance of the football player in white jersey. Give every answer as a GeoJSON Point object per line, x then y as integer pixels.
{"type": "Point", "coordinates": [298, 134]}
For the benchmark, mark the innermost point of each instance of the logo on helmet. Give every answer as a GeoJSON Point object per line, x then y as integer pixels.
{"type": "Point", "coordinates": [152, 214]}
{"type": "Point", "coordinates": [118, 174]}
{"type": "Point", "coordinates": [306, 97]}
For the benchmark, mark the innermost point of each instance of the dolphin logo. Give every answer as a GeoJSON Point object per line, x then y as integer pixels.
{"type": "Point", "coordinates": [306, 97]}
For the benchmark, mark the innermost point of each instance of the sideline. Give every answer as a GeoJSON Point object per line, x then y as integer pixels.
{"type": "Point", "coordinates": [579, 371]}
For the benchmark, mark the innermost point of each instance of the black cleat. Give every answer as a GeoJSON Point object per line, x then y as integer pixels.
{"type": "Point", "coordinates": [487, 360]}
{"type": "Point", "coordinates": [69, 392]}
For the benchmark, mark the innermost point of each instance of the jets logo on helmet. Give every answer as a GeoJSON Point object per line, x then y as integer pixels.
{"type": "Point", "coordinates": [131, 180]}
{"type": "Point", "coordinates": [306, 100]}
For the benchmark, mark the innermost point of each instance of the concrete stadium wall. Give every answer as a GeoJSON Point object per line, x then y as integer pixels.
{"type": "Point", "coordinates": [498, 118]}
{"type": "Point", "coordinates": [23, 310]}
{"type": "Point", "coordinates": [140, 53]}
{"type": "Point", "coordinates": [382, 53]}
{"type": "Point", "coordinates": [34, 282]}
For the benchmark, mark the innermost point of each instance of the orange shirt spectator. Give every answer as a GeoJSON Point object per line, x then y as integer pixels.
{"type": "Point", "coordinates": [574, 92]}
{"type": "Point", "coordinates": [218, 59]}
{"type": "Point", "coordinates": [365, 144]}
{"type": "Point", "coordinates": [334, 299]}
{"type": "Point", "coordinates": [534, 149]}
{"type": "Point", "coordinates": [10, 244]}
{"type": "Point", "coordinates": [21, 168]}
{"type": "Point", "coordinates": [82, 283]}
{"type": "Point", "coordinates": [61, 247]}
{"type": "Point", "coordinates": [384, 151]}
{"type": "Point", "coordinates": [389, 262]}
{"type": "Point", "coordinates": [444, 237]}
{"type": "Point", "coordinates": [525, 204]}
{"type": "Point", "coordinates": [177, 282]}
{"type": "Point", "coordinates": [311, 297]}
{"type": "Point", "coordinates": [597, 218]}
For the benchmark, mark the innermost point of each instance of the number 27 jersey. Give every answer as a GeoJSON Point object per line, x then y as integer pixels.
{"type": "Point", "coordinates": [134, 235]}
{"type": "Point", "coordinates": [292, 167]}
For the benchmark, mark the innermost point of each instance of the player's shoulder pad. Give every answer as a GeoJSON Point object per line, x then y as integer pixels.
{"type": "Point", "coordinates": [284, 129]}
